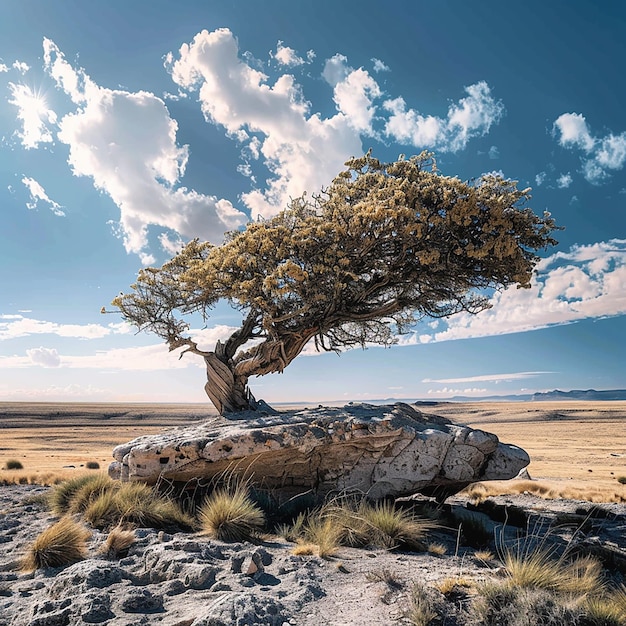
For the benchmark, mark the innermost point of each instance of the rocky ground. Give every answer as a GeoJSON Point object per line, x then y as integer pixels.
{"type": "Point", "coordinates": [184, 579]}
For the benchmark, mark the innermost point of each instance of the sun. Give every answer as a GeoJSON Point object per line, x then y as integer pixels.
{"type": "Point", "coordinates": [34, 114]}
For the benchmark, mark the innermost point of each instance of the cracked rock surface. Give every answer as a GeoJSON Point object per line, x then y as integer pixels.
{"type": "Point", "coordinates": [383, 451]}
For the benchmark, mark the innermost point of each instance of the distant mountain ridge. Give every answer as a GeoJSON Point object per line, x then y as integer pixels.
{"type": "Point", "coordinates": [547, 396]}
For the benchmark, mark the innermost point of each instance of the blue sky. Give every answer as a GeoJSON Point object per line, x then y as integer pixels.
{"type": "Point", "coordinates": [127, 128]}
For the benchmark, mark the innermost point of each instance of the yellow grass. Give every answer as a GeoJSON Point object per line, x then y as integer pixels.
{"type": "Point", "coordinates": [564, 439]}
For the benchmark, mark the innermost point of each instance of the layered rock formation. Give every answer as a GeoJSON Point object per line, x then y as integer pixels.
{"type": "Point", "coordinates": [393, 450]}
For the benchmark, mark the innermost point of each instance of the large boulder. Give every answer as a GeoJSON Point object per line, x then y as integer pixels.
{"type": "Point", "coordinates": [393, 450]}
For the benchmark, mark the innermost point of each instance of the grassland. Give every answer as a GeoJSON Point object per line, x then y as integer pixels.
{"type": "Point", "coordinates": [574, 444]}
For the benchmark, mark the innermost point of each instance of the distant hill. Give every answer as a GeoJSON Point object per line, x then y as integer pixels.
{"type": "Point", "coordinates": [574, 394]}
{"type": "Point", "coordinates": [577, 394]}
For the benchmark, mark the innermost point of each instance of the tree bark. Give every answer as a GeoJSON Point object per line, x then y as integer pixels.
{"type": "Point", "coordinates": [227, 391]}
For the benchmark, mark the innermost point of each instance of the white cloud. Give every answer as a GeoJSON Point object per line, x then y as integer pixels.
{"type": "Point", "coordinates": [46, 357]}
{"type": "Point", "coordinates": [574, 131]}
{"type": "Point", "coordinates": [494, 153]}
{"type": "Point", "coordinates": [380, 66]}
{"type": "Point", "coordinates": [564, 181]}
{"type": "Point", "coordinates": [589, 281]}
{"type": "Point", "coordinates": [21, 67]}
{"type": "Point", "coordinates": [455, 392]}
{"type": "Point", "coordinates": [38, 194]}
{"type": "Point", "coordinates": [472, 116]}
{"type": "Point", "coordinates": [303, 152]}
{"type": "Point", "coordinates": [336, 69]}
{"type": "Point", "coordinates": [602, 153]}
{"type": "Point", "coordinates": [353, 96]}
{"type": "Point", "coordinates": [33, 114]}
{"type": "Point", "coordinates": [540, 178]}
{"type": "Point", "coordinates": [486, 378]}
{"type": "Point", "coordinates": [13, 326]}
{"type": "Point", "coordinates": [137, 358]}
{"type": "Point", "coordinates": [3, 68]}
{"type": "Point", "coordinates": [126, 142]}
{"type": "Point", "coordinates": [287, 56]}
{"type": "Point", "coordinates": [52, 393]}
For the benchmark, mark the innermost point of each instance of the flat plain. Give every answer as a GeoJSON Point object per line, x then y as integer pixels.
{"type": "Point", "coordinates": [574, 444]}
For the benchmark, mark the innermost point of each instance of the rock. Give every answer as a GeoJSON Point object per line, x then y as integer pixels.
{"type": "Point", "coordinates": [393, 450]}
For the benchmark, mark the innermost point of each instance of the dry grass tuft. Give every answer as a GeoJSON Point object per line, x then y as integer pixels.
{"type": "Point", "coordinates": [118, 541]}
{"type": "Point", "coordinates": [229, 514]}
{"type": "Point", "coordinates": [452, 584]}
{"type": "Point", "coordinates": [13, 464]}
{"type": "Point", "coordinates": [322, 533]}
{"type": "Point", "coordinates": [61, 544]}
{"type": "Point", "coordinates": [421, 610]}
{"type": "Point", "coordinates": [62, 495]}
{"type": "Point", "coordinates": [135, 504]}
{"type": "Point", "coordinates": [478, 492]}
{"type": "Point", "coordinates": [436, 549]}
{"type": "Point", "coordinates": [91, 490]}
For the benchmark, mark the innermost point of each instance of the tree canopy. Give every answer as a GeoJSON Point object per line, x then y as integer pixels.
{"type": "Point", "coordinates": [385, 245]}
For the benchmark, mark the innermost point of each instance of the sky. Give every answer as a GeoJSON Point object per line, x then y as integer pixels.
{"type": "Point", "coordinates": [129, 128]}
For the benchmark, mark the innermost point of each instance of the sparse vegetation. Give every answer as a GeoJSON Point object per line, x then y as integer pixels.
{"type": "Point", "coordinates": [229, 514]}
{"type": "Point", "coordinates": [320, 535]}
{"type": "Point", "coordinates": [621, 480]}
{"type": "Point", "coordinates": [421, 610]}
{"type": "Point", "coordinates": [61, 544]}
{"type": "Point", "coordinates": [136, 504]}
{"type": "Point", "coordinates": [13, 464]}
{"type": "Point", "coordinates": [62, 495]}
{"type": "Point", "coordinates": [118, 541]}
{"type": "Point", "coordinates": [92, 465]}
{"type": "Point", "coordinates": [437, 549]}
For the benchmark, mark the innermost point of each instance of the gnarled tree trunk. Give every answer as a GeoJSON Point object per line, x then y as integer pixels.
{"type": "Point", "coordinates": [228, 392]}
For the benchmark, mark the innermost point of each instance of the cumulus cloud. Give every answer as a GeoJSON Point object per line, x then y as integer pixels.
{"type": "Point", "coordinates": [3, 68]}
{"type": "Point", "coordinates": [302, 151]}
{"type": "Point", "coordinates": [287, 56]}
{"type": "Point", "coordinates": [38, 194]}
{"type": "Point", "coordinates": [354, 97]}
{"type": "Point", "coordinates": [494, 153]}
{"type": "Point", "coordinates": [540, 178]}
{"type": "Point", "coordinates": [21, 67]}
{"type": "Point", "coordinates": [601, 154]}
{"type": "Point", "coordinates": [379, 66]}
{"type": "Point", "coordinates": [126, 143]}
{"type": "Point", "coordinates": [34, 115]}
{"type": "Point", "coordinates": [472, 116]}
{"type": "Point", "coordinates": [45, 357]}
{"type": "Point", "coordinates": [564, 181]}
{"type": "Point", "coordinates": [588, 281]}
{"type": "Point", "coordinates": [13, 326]}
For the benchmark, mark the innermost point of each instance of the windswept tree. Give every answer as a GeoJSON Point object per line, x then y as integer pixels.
{"type": "Point", "coordinates": [384, 246]}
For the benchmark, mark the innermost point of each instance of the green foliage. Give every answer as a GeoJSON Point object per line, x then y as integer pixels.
{"type": "Point", "coordinates": [383, 246]}
{"type": "Point", "coordinates": [61, 544]}
{"type": "Point", "coordinates": [229, 514]}
{"type": "Point", "coordinates": [13, 464]}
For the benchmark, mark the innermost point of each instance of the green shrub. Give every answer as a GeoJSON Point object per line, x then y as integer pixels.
{"type": "Point", "coordinates": [61, 544]}
{"type": "Point", "coordinates": [229, 514]}
{"type": "Point", "coordinates": [13, 464]}
{"type": "Point", "coordinates": [93, 465]}
{"type": "Point", "coordinates": [621, 480]}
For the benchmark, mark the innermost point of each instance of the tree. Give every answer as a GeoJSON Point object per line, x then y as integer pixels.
{"type": "Point", "coordinates": [384, 246]}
